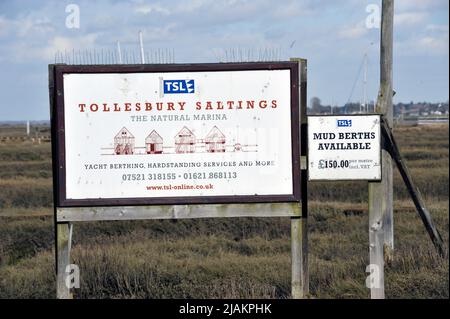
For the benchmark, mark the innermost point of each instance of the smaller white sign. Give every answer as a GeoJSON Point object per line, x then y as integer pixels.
{"type": "Point", "coordinates": [344, 147]}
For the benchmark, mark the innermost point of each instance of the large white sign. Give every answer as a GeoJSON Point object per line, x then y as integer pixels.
{"type": "Point", "coordinates": [344, 147]}
{"type": "Point", "coordinates": [177, 134]}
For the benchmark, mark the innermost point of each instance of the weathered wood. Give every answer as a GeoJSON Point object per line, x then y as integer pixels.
{"type": "Point", "coordinates": [178, 211]}
{"type": "Point", "coordinates": [299, 255]}
{"type": "Point", "coordinates": [384, 106]}
{"type": "Point", "coordinates": [376, 239]}
{"type": "Point", "coordinates": [63, 246]}
{"type": "Point", "coordinates": [381, 235]}
{"type": "Point", "coordinates": [299, 226]}
{"type": "Point", "coordinates": [414, 192]}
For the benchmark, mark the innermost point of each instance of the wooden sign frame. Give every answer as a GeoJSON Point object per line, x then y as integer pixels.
{"type": "Point", "coordinates": [59, 154]}
{"type": "Point", "coordinates": [295, 206]}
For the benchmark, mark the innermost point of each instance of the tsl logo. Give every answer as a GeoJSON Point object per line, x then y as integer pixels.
{"type": "Point", "coordinates": [179, 86]}
{"type": "Point", "coordinates": [344, 123]}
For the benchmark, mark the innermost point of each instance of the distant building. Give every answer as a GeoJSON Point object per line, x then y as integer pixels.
{"type": "Point", "coordinates": [154, 143]}
{"type": "Point", "coordinates": [124, 142]}
{"type": "Point", "coordinates": [185, 141]}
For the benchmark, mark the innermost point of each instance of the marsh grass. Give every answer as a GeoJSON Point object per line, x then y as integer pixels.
{"type": "Point", "coordinates": [225, 258]}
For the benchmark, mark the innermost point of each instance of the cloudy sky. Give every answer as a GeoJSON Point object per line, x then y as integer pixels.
{"type": "Point", "coordinates": [332, 35]}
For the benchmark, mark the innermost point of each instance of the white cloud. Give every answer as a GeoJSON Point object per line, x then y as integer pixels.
{"type": "Point", "coordinates": [26, 51]}
{"type": "Point", "coordinates": [437, 28]}
{"type": "Point", "coordinates": [4, 26]}
{"type": "Point", "coordinates": [424, 45]}
{"type": "Point", "coordinates": [291, 9]}
{"type": "Point", "coordinates": [26, 26]}
{"type": "Point", "coordinates": [151, 8]}
{"type": "Point", "coordinates": [34, 26]}
{"type": "Point", "coordinates": [353, 32]}
{"type": "Point", "coordinates": [420, 38]}
{"type": "Point", "coordinates": [429, 42]}
{"type": "Point", "coordinates": [434, 45]}
{"type": "Point", "coordinates": [405, 5]}
{"type": "Point", "coordinates": [408, 19]}
{"type": "Point", "coordinates": [68, 43]}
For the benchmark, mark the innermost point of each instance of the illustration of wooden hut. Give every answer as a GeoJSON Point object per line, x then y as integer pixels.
{"type": "Point", "coordinates": [124, 142]}
{"type": "Point", "coordinates": [215, 141]}
{"type": "Point", "coordinates": [185, 141]}
{"type": "Point", "coordinates": [154, 143]}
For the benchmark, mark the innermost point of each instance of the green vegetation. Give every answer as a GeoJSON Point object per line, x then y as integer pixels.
{"type": "Point", "coordinates": [225, 258]}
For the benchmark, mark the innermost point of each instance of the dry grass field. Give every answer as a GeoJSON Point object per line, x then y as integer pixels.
{"type": "Point", "coordinates": [225, 258]}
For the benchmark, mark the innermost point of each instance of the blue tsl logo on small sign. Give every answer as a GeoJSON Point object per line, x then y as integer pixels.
{"type": "Point", "coordinates": [178, 86]}
{"type": "Point", "coordinates": [344, 123]}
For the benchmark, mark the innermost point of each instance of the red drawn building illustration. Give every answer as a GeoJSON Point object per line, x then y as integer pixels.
{"type": "Point", "coordinates": [215, 141]}
{"type": "Point", "coordinates": [154, 143]}
{"type": "Point", "coordinates": [124, 142]}
{"type": "Point", "coordinates": [185, 141]}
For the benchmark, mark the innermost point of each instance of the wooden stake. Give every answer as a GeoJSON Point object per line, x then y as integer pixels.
{"type": "Point", "coordinates": [299, 225]}
{"type": "Point", "coordinates": [63, 245]}
{"type": "Point", "coordinates": [385, 107]}
{"type": "Point", "coordinates": [376, 240]}
{"type": "Point", "coordinates": [381, 235]}
{"type": "Point", "coordinates": [299, 252]}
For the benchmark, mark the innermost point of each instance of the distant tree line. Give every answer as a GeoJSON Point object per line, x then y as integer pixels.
{"type": "Point", "coordinates": [408, 109]}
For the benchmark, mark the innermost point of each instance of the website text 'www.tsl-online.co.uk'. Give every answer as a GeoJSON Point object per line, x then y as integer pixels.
{"type": "Point", "coordinates": [179, 187]}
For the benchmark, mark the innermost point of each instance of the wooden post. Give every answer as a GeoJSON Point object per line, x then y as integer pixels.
{"type": "Point", "coordinates": [391, 146]}
{"type": "Point", "coordinates": [386, 72]}
{"type": "Point", "coordinates": [376, 240]}
{"type": "Point", "coordinates": [63, 231]}
{"type": "Point", "coordinates": [299, 251]}
{"type": "Point", "coordinates": [381, 235]}
{"type": "Point", "coordinates": [299, 225]}
{"type": "Point", "coordinates": [63, 245]}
